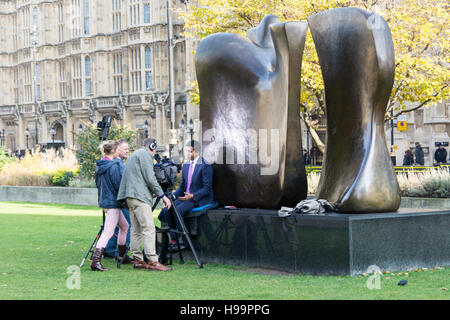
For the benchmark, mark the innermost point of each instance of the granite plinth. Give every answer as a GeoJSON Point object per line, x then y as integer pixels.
{"type": "Point", "coordinates": [334, 244]}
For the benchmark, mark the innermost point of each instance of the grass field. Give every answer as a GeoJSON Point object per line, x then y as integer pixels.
{"type": "Point", "coordinates": [39, 242]}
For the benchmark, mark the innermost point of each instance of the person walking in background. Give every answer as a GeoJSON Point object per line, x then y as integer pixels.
{"type": "Point", "coordinates": [440, 155]}
{"type": "Point", "coordinates": [111, 248]}
{"type": "Point", "coordinates": [408, 158]}
{"type": "Point", "coordinates": [306, 157]}
{"type": "Point", "coordinates": [419, 155]}
{"type": "Point", "coordinates": [107, 179]}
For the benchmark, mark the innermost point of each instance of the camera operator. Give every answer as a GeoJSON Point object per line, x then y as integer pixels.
{"type": "Point", "coordinates": [138, 184]}
{"type": "Point", "coordinates": [195, 188]}
{"type": "Point", "coordinates": [107, 179]}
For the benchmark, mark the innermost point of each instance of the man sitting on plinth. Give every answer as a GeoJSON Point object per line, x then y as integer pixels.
{"type": "Point", "coordinates": [195, 188]}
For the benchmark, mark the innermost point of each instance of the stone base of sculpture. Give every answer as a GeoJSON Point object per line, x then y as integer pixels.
{"type": "Point", "coordinates": [334, 244]}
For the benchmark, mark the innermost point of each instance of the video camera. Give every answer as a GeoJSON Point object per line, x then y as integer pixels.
{"type": "Point", "coordinates": [165, 172]}
{"type": "Point", "coordinates": [103, 126]}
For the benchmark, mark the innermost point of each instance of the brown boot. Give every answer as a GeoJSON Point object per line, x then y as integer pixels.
{"type": "Point", "coordinates": [122, 249]}
{"type": "Point", "coordinates": [139, 264]}
{"type": "Point", "coordinates": [155, 265]}
{"type": "Point", "coordinates": [96, 264]}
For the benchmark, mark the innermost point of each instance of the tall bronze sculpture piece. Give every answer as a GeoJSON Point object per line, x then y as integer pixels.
{"type": "Point", "coordinates": [249, 109]}
{"type": "Point", "coordinates": [356, 55]}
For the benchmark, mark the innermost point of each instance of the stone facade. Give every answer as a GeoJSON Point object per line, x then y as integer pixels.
{"type": "Point", "coordinates": [427, 126]}
{"type": "Point", "coordinates": [66, 63]}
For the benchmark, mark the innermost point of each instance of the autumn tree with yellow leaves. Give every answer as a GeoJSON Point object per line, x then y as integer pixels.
{"type": "Point", "coordinates": [420, 31]}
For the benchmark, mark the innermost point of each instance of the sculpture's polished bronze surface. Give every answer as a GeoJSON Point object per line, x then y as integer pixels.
{"type": "Point", "coordinates": [356, 55]}
{"type": "Point", "coordinates": [249, 108]}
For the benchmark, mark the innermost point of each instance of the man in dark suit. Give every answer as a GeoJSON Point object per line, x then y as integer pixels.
{"type": "Point", "coordinates": [196, 185]}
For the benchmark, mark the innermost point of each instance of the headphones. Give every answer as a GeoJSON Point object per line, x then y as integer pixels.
{"type": "Point", "coordinates": [153, 145]}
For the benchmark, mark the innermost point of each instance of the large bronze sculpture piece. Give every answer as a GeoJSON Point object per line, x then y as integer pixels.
{"type": "Point", "coordinates": [356, 55]}
{"type": "Point", "coordinates": [249, 108]}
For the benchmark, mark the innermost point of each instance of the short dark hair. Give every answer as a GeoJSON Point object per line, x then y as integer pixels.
{"type": "Point", "coordinates": [149, 142]}
{"type": "Point", "coordinates": [195, 144]}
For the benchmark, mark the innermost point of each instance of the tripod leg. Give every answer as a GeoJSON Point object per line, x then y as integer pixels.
{"type": "Point", "coordinates": [119, 262]}
{"type": "Point", "coordinates": [92, 245]}
{"type": "Point", "coordinates": [156, 203]}
{"type": "Point", "coordinates": [179, 251]}
{"type": "Point", "coordinates": [96, 238]}
{"type": "Point", "coordinates": [185, 232]}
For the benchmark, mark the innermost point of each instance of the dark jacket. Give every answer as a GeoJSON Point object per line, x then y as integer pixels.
{"type": "Point", "coordinates": [418, 154]}
{"type": "Point", "coordinates": [107, 178]}
{"type": "Point", "coordinates": [408, 159]}
{"type": "Point", "coordinates": [201, 183]}
{"type": "Point", "coordinates": [121, 165]}
{"type": "Point", "coordinates": [440, 155]}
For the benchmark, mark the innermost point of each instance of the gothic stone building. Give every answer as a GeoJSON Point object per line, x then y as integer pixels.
{"type": "Point", "coordinates": [66, 63]}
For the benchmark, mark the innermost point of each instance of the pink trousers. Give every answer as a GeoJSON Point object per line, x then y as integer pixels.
{"type": "Point", "coordinates": [113, 218]}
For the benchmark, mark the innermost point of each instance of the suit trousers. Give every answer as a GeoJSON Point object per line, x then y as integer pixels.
{"type": "Point", "coordinates": [142, 230]}
{"type": "Point", "coordinates": [183, 208]}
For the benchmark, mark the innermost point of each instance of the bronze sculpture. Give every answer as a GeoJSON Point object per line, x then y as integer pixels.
{"type": "Point", "coordinates": [252, 84]}
{"type": "Point", "coordinates": [356, 55]}
{"type": "Point", "coordinates": [250, 93]}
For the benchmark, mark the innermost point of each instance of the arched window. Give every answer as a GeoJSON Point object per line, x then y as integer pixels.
{"type": "Point", "coordinates": [87, 66]}
{"type": "Point", "coordinates": [86, 16]}
{"type": "Point", "coordinates": [148, 58]}
{"type": "Point", "coordinates": [87, 74]}
{"type": "Point", "coordinates": [38, 73]}
{"type": "Point", "coordinates": [148, 80]}
{"type": "Point", "coordinates": [35, 17]}
{"type": "Point", "coordinates": [146, 12]}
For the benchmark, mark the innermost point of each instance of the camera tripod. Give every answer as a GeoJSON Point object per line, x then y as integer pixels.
{"type": "Point", "coordinates": [176, 214]}
{"type": "Point", "coordinates": [95, 239]}
{"type": "Point", "coordinates": [174, 211]}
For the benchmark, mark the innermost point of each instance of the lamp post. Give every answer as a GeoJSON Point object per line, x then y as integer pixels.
{"type": "Point", "coordinates": [181, 127]}
{"type": "Point", "coordinates": [146, 129]}
{"type": "Point", "coordinates": [191, 129]}
{"type": "Point", "coordinates": [171, 69]}
{"type": "Point", "coordinates": [79, 131]}
{"type": "Point", "coordinates": [53, 132]}
{"type": "Point", "coordinates": [34, 35]}
{"type": "Point", "coordinates": [27, 134]}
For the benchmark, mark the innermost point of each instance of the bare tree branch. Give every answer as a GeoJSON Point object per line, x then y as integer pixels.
{"type": "Point", "coordinates": [247, 19]}
{"type": "Point", "coordinates": [387, 117]}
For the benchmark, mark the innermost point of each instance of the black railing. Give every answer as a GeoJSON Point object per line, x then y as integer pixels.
{"type": "Point", "coordinates": [397, 169]}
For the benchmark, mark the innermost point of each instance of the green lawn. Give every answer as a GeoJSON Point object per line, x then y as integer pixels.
{"type": "Point", "coordinates": [39, 242]}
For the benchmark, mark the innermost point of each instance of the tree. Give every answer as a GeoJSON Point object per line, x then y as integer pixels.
{"type": "Point", "coordinates": [89, 141]}
{"type": "Point", "coordinates": [420, 29]}
{"type": "Point", "coordinates": [4, 158]}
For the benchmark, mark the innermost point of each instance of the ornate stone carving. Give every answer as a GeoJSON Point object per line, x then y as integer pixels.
{"type": "Point", "coordinates": [91, 111]}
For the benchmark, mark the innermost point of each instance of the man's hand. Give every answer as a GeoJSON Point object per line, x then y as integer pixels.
{"type": "Point", "coordinates": [187, 196]}
{"type": "Point", "coordinates": [167, 202]}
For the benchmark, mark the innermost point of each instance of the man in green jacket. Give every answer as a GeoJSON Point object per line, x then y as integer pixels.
{"type": "Point", "coordinates": [137, 186]}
